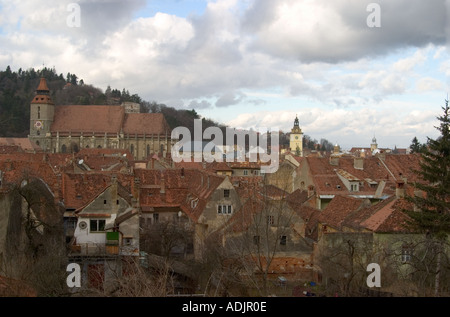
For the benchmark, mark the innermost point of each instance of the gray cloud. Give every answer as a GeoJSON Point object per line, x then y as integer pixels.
{"type": "Point", "coordinates": [230, 99]}
{"type": "Point", "coordinates": [335, 31]}
{"type": "Point", "coordinates": [195, 104]}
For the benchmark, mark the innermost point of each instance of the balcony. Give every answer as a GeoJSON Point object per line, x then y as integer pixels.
{"type": "Point", "coordinates": [111, 247]}
{"type": "Point", "coordinates": [96, 249]}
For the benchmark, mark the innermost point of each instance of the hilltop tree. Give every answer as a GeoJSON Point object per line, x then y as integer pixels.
{"type": "Point", "coordinates": [432, 213]}
{"type": "Point", "coordinates": [416, 146]}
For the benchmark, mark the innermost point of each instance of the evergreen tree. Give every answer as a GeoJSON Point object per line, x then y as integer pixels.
{"type": "Point", "coordinates": [432, 216]}
{"type": "Point", "coordinates": [416, 146]}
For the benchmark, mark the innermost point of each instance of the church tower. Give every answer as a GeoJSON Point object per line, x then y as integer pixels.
{"type": "Point", "coordinates": [296, 139]}
{"type": "Point", "coordinates": [42, 110]}
{"type": "Point", "coordinates": [374, 145]}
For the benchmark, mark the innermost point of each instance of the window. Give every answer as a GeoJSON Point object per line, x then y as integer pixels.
{"type": "Point", "coordinates": [39, 112]}
{"type": "Point", "coordinates": [97, 225]}
{"type": "Point", "coordinates": [245, 172]}
{"type": "Point", "coordinates": [155, 218]}
{"type": "Point", "coordinates": [407, 252]}
{"type": "Point", "coordinates": [127, 241]}
{"type": "Point", "coordinates": [224, 209]}
{"type": "Point", "coordinates": [270, 220]}
{"type": "Point", "coordinates": [226, 193]}
{"type": "Point", "coordinates": [117, 202]}
{"type": "Point", "coordinates": [256, 240]}
{"type": "Point", "coordinates": [283, 240]}
{"type": "Point", "coordinates": [104, 202]}
{"type": "Point", "coordinates": [132, 149]}
{"type": "Point", "coordinates": [63, 148]}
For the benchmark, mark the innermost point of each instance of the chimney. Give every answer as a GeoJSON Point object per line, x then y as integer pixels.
{"type": "Point", "coordinates": [400, 189]}
{"type": "Point", "coordinates": [358, 163]}
{"type": "Point", "coordinates": [114, 194]}
{"type": "Point", "coordinates": [334, 160]}
{"type": "Point", "coordinates": [310, 191]}
{"type": "Point", "coordinates": [163, 185]}
{"type": "Point", "coordinates": [137, 188]}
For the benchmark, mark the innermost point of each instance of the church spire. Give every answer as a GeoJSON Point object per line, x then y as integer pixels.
{"type": "Point", "coordinates": [296, 122]}
{"type": "Point", "coordinates": [43, 93]}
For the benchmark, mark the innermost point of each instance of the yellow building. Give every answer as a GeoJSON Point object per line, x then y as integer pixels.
{"type": "Point", "coordinates": [296, 139]}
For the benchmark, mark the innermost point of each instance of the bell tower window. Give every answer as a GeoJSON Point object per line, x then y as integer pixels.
{"type": "Point", "coordinates": [39, 113]}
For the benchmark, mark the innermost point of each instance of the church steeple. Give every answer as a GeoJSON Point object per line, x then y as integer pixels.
{"type": "Point", "coordinates": [42, 110]}
{"type": "Point", "coordinates": [296, 123]}
{"type": "Point", "coordinates": [42, 94]}
{"type": "Point", "coordinates": [296, 129]}
{"type": "Point", "coordinates": [296, 138]}
{"type": "Point", "coordinates": [374, 144]}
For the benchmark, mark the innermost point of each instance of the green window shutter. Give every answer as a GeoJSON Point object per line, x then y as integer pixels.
{"type": "Point", "coordinates": [112, 236]}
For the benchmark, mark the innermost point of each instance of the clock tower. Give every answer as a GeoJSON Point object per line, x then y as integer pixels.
{"type": "Point", "coordinates": [296, 139]}
{"type": "Point", "coordinates": [42, 110]}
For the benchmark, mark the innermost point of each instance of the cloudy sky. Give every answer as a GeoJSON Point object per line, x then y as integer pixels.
{"type": "Point", "coordinates": [253, 63]}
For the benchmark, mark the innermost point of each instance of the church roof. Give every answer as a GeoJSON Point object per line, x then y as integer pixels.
{"type": "Point", "coordinates": [109, 119]}
{"type": "Point", "coordinates": [145, 123]}
{"type": "Point", "coordinates": [42, 94]}
{"type": "Point", "coordinates": [43, 85]}
{"type": "Point", "coordinates": [88, 119]}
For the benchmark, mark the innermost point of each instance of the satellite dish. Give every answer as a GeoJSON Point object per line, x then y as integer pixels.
{"type": "Point", "coordinates": [125, 155]}
{"type": "Point", "coordinates": [82, 225]}
{"type": "Point", "coordinates": [80, 162]}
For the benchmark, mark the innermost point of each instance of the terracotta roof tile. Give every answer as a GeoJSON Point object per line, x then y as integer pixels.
{"type": "Point", "coordinates": [42, 85]}
{"type": "Point", "coordinates": [23, 143]}
{"type": "Point", "coordinates": [338, 209]}
{"type": "Point", "coordinates": [389, 219]}
{"type": "Point", "coordinates": [146, 123]}
{"type": "Point", "coordinates": [88, 119]}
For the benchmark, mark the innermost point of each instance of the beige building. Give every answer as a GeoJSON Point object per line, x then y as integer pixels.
{"type": "Point", "coordinates": [65, 129]}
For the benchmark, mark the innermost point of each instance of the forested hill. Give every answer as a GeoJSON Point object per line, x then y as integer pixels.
{"type": "Point", "coordinates": [17, 90]}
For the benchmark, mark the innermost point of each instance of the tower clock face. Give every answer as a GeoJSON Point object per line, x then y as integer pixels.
{"type": "Point", "coordinates": [296, 137]}
{"type": "Point", "coordinates": [38, 125]}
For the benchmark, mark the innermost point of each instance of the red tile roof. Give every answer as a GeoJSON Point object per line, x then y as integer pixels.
{"type": "Point", "coordinates": [195, 185]}
{"type": "Point", "coordinates": [338, 209]}
{"type": "Point", "coordinates": [22, 143]}
{"type": "Point", "coordinates": [42, 85]}
{"type": "Point", "coordinates": [375, 169]}
{"type": "Point", "coordinates": [389, 219]}
{"type": "Point", "coordinates": [88, 119]}
{"type": "Point", "coordinates": [146, 123]}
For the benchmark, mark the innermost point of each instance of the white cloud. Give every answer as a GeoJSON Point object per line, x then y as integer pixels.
{"type": "Point", "coordinates": [391, 122]}
{"type": "Point", "coordinates": [428, 84]}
